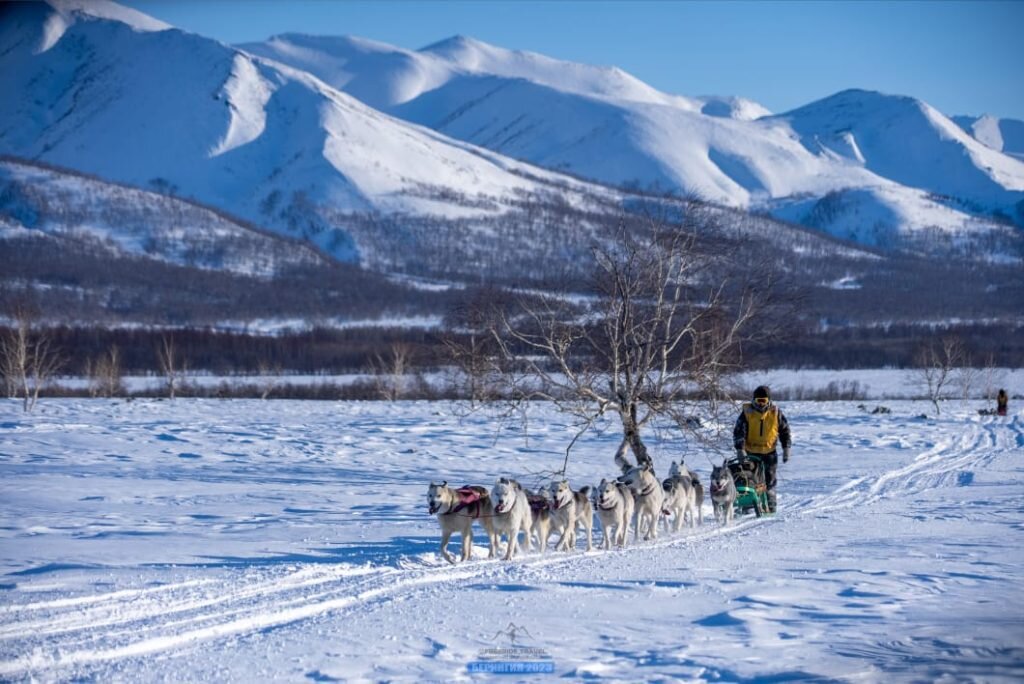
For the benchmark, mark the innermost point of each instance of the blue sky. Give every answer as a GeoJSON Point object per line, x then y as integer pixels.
{"type": "Point", "coordinates": [962, 57]}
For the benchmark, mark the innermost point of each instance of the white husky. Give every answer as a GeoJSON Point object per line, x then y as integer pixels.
{"type": "Point", "coordinates": [456, 510]}
{"type": "Point", "coordinates": [570, 509]}
{"type": "Point", "coordinates": [723, 493]}
{"type": "Point", "coordinates": [511, 514]}
{"type": "Point", "coordinates": [614, 507]}
{"type": "Point", "coordinates": [649, 497]}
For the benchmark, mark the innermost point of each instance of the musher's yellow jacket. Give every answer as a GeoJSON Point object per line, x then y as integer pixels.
{"type": "Point", "coordinates": [758, 430]}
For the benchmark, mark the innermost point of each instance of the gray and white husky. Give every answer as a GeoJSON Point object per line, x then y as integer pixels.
{"type": "Point", "coordinates": [648, 497]}
{"type": "Point", "coordinates": [723, 493]}
{"type": "Point", "coordinates": [511, 514]}
{"type": "Point", "coordinates": [614, 508]}
{"type": "Point", "coordinates": [698, 490]}
{"type": "Point", "coordinates": [456, 510]}
{"type": "Point", "coordinates": [680, 500]}
{"type": "Point", "coordinates": [540, 508]}
{"type": "Point", "coordinates": [569, 510]}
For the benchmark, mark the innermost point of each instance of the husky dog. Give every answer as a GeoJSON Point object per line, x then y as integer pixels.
{"type": "Point", "coordinates": [569, 510]}
{"type": "Point", "coordinates": [697, 489]}
{"type": "Point", "coordinates": [723, 493]}
{"type": "Point", "coordinates": [511, 514]}
{"type": "Point", "coordinates": [648, 496]}
{"type": "Point", "coordinates": [540, 508]}
{"type": "Point", "coordinates": [698, 497]}
{"type": "Point", "coordinates": [695, 514]}
{"type": "Point", "coordinates": [614, 507]}
{"type": "Point", "coordinates": [679, 497]}
{"type": "Point", "coordinates": [456, 510]}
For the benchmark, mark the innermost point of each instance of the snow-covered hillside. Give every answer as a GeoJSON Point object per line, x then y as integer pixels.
{"type": "Point", "coordinates": [41, 201]}
{"type": "Point", "coordinates": [266, 133]}
{"type": "Point", "coordinates": [243, 541]}
{"type": "Point", "coordinates": [1005, 135]}
{"type": "Point", "coordinates": [180, 113]}
{"type": "Point", "coordinates": [604, 124]}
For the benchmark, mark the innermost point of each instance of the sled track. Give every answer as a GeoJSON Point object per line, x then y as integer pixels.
{"type": "Point", "coordinates": [939, 466]}
{"type": "Point", "coordinates": [73, 636]}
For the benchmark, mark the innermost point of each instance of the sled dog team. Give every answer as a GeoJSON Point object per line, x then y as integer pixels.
{"type": "Point", "coordinates": [637, 496]}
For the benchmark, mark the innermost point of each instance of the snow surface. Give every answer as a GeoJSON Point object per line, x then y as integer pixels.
{"type": "Point", "coordinates": [247, 540]}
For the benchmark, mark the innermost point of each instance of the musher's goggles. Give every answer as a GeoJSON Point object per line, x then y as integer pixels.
{"type": "Point", "coordinates": [761, 401]}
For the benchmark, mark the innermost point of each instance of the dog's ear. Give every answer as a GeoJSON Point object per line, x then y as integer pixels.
{"type": "Point", "coordinates": [603, 481]}
{"type": "Point", "coordinates": [445, 483]}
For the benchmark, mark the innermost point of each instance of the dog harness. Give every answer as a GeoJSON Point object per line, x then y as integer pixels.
{"type": "Point", "coordinates": [468, 497]}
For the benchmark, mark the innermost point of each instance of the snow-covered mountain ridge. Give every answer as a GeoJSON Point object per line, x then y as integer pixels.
{"type": "Point", "coordinates": [449, 138]}
{"type": "Point", "coordinates": [604, 124]}
{"type": "Point", "coordinates": [1004, 135]}
{"type": "Point", "coordinates": [186, 115]}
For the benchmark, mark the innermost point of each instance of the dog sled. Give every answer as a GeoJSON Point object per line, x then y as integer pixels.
{"type": "Point", "coordinates": [751, 489]}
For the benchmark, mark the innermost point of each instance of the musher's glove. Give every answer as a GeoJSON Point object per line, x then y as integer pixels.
{"type": "Point", "coordinates": [785, 455]}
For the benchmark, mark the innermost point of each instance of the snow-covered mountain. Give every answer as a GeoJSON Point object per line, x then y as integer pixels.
{"type": "Point", "coordinates": [136, 102]}
{"type": "Point", "coordinates": [1004, 135]}
{"type": "Point", "coordinates": [604, 124]}
{"type": "Point", "coordinates": [441, 144]}
{"type": "Point", "coordinates": [66, 207]}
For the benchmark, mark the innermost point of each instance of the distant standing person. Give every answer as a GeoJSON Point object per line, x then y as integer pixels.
{"type": "Point", "coordinates": [1002, 402]}
{"type": "Point", "coordinates": [759, 428]}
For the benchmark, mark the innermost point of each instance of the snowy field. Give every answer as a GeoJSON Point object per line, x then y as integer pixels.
{"type": "Point", "coordinates": [277, 540]}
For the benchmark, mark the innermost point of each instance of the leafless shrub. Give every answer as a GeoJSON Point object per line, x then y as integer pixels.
{"type": "Point", "coordinates": [171, 365]}
{"type": "Point", "coordinates": [106, 379]}
{"type": "Point", "coordinates": [935, 363]}
{"type": "Point", "coordinates": [28, 358]}
{"type": "Point", "coordinates": [391, 372]}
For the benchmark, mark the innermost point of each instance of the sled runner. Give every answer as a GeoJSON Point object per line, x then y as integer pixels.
{"type": "Point", "coordinates": [751, 490]}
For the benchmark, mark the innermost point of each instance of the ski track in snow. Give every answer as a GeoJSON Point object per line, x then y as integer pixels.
{"type": "Point", "coordinates": [70, 635]}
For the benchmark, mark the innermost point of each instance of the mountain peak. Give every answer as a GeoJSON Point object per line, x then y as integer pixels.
{"type": "Point", "coordinates": [104, 9]}
{"type": "Point", "coordinates": [454, 43]}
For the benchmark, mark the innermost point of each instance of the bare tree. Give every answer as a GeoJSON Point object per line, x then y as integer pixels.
{"type": "Point", "coordinates": [935, 364]}
{"type": "Point", "coordinates": [992, 377]}
{"type": "Point", "coordinates": [391, 371]}
{"type": "Point", "coordinates": [270, 378]}
{"type": "Point", "coordinates": [662, 329]}
{"type": "Point", "coordinates": [472, 347]}
{"type": "Point", "coordinates": [965, 378]}
{"type": "Point", "coordinates": [28, 358]}
{"type": "Point", "coordinates": [171, 365]}
{"type": "Point", "coordinates": [107, 378]}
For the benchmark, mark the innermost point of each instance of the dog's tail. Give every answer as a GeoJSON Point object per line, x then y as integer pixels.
{"type": "Point", "coordinates": [620, 458]}
{"type": "Point", "coordinates": [585, 490]}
